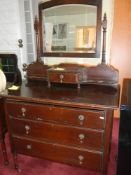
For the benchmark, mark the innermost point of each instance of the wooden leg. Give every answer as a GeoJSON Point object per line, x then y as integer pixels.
{"type": "Point", "coordinates": [49, 84]}
{"type": "Point", "coordinates": [16, 161]}
{"type": "Point", "coordinates": [3, 147]}
{"type": "Point", "coordinates": [104, 172]}
{"type": "Point", "coordinates": [78, 85]}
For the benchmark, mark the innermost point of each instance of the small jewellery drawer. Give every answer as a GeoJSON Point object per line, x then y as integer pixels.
{"type": "Point", "coordinates": [85, 118]}
{"type": "Point", "coordinates": [62, 134]}
{"type": "Point", "coordinates": [64, 77]}
{"type": "Point", "coordinates": [60, 153]}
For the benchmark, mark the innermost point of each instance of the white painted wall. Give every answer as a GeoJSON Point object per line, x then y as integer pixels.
{"type": "Point", "coordinates": [10, 28]}
{"type": "Point", "coordinates": [9, 25]}
{"type": "Point", "coordinates": [11, 31]}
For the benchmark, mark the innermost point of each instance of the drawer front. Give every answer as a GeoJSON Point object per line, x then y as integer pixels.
{"type": "Point", "coordinates": [59, 153]}
{"type": "Point", "coordinates": [79, 117]}
{"type": "Point", "coordinates": [63, 77]}
{"type": "Point", "coordinates": [62, 134]}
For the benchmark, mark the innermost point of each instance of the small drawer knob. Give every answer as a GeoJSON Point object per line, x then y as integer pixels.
{"type": "Point", "coordinates": [81, 159]}
{"type": "Point", "coordinates": [81, 137]}
{"type": "Point", "coordinates": [23, 110]}
{"type": "Point", "coordinates": [27, 128]}
{"type": "Point", "coordinates": [61, 77]}
{"type": "Point", "coordinates": [81, 119]}
{"type": "Point", "coordinates": [29, 147]}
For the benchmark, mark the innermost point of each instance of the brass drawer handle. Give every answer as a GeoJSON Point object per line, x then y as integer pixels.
{"type": "Point", "coordinates": [81, 137]}
{"type": "Point", "coordinates": [29, 147]}
{"type": "Point", "coordinates": [61, 78]}
{"type": "Point", "coordinates": [27, 128]}
{"type": "Point", "coordinates": [81, 159]}
{"type": "Point", "coordinates": [81, 119]}
{"type": "Point", "coordinates": [23, 110]}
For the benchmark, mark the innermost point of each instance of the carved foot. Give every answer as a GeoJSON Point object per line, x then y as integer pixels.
{"type": "Point", "coordinates": [6, 162]}
{"type": "Point", "coordinates": [17, 168]}
{"type": "Point", "coordinates": [3, 147]}
{"type": "Point", "coordinates": [16, 162]}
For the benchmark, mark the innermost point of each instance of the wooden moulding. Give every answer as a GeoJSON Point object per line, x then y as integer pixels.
{"type": "Point", "coordinates": [67, 74]}
{"type": "Point", "coordinates": [101, 74]}
{"type": "Point", "coordinates": [36, 71]}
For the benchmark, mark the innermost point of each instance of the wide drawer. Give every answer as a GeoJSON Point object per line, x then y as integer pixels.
{"type": "Point", "coordinates": [75, 116]}
{"type": "Point", "coordinates": [59, 153]}
{"type": "Point", "coordinates": [63, 134]}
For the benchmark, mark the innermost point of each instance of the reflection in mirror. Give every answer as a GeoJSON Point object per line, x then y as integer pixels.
{"type": "Point", "coordinates": [70, 28]}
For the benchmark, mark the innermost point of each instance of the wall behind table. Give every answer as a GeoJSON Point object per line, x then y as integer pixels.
{"type": "Point", "coordinates": [10, 28]}
{"type": "Point", "coordinates": [121, 40]}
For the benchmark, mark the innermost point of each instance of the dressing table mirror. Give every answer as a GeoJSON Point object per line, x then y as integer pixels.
{"type": "Point", "coordinates": [70, 28]}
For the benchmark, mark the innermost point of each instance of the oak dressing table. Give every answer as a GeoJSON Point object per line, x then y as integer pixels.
{"type": "Point", "coordinates": [61, 122]}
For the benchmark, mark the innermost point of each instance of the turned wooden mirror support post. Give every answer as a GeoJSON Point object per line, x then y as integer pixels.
{"type": "Point", "coordinates": [104, 25]}
{"type": "Point", "coordinates": [37, 28]}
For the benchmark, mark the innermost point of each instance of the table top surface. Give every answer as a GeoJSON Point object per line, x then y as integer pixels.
{"type": "Point", "coordinates": [95, 96]}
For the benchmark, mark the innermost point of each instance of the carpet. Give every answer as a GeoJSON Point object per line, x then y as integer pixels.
{"type": "Point", "coordinates": [35, 166]}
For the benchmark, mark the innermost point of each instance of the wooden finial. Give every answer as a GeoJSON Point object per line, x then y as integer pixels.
{"type": "Point", "coordinates": [36, 28]}
{"type": "Point", "coordinates": [36, 24]}
{"type": "Point", "coordinates": [104, 26]}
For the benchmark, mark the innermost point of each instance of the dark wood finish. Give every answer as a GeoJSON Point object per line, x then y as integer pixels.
{"type": "Point", "coordinates": [3, 131]}
{"type": "Point", "coordinates": [124, 145]}
{"type": "Point", "coordinates": [36, 71]}
{"type": "Point", "coordinates": [126, 100]}
{"type": "Point", "coordinates": [37, 27]}
{"type": "Point", "coordinates": [52, 3]}
{"type": "Point", "coordinates": [71, 75]}
{"type": "Point", "coordinates": [67, 95]}
{"type": "Point", "coordinates": [104, 25]}
{"type": "Point", "coordinates": [103, 74]}
{"type": "Point", "coordinates": [62, 123]}
{"type": "Point", "coordinates": [59, 153]}
{"type": "Point", "coordinates": [60, 133]}
{"type": "Point", "coordinates": [58, 114]}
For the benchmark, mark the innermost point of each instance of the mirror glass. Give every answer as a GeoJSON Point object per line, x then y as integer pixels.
{"type": "Point", "coordinates": [69, 28]}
